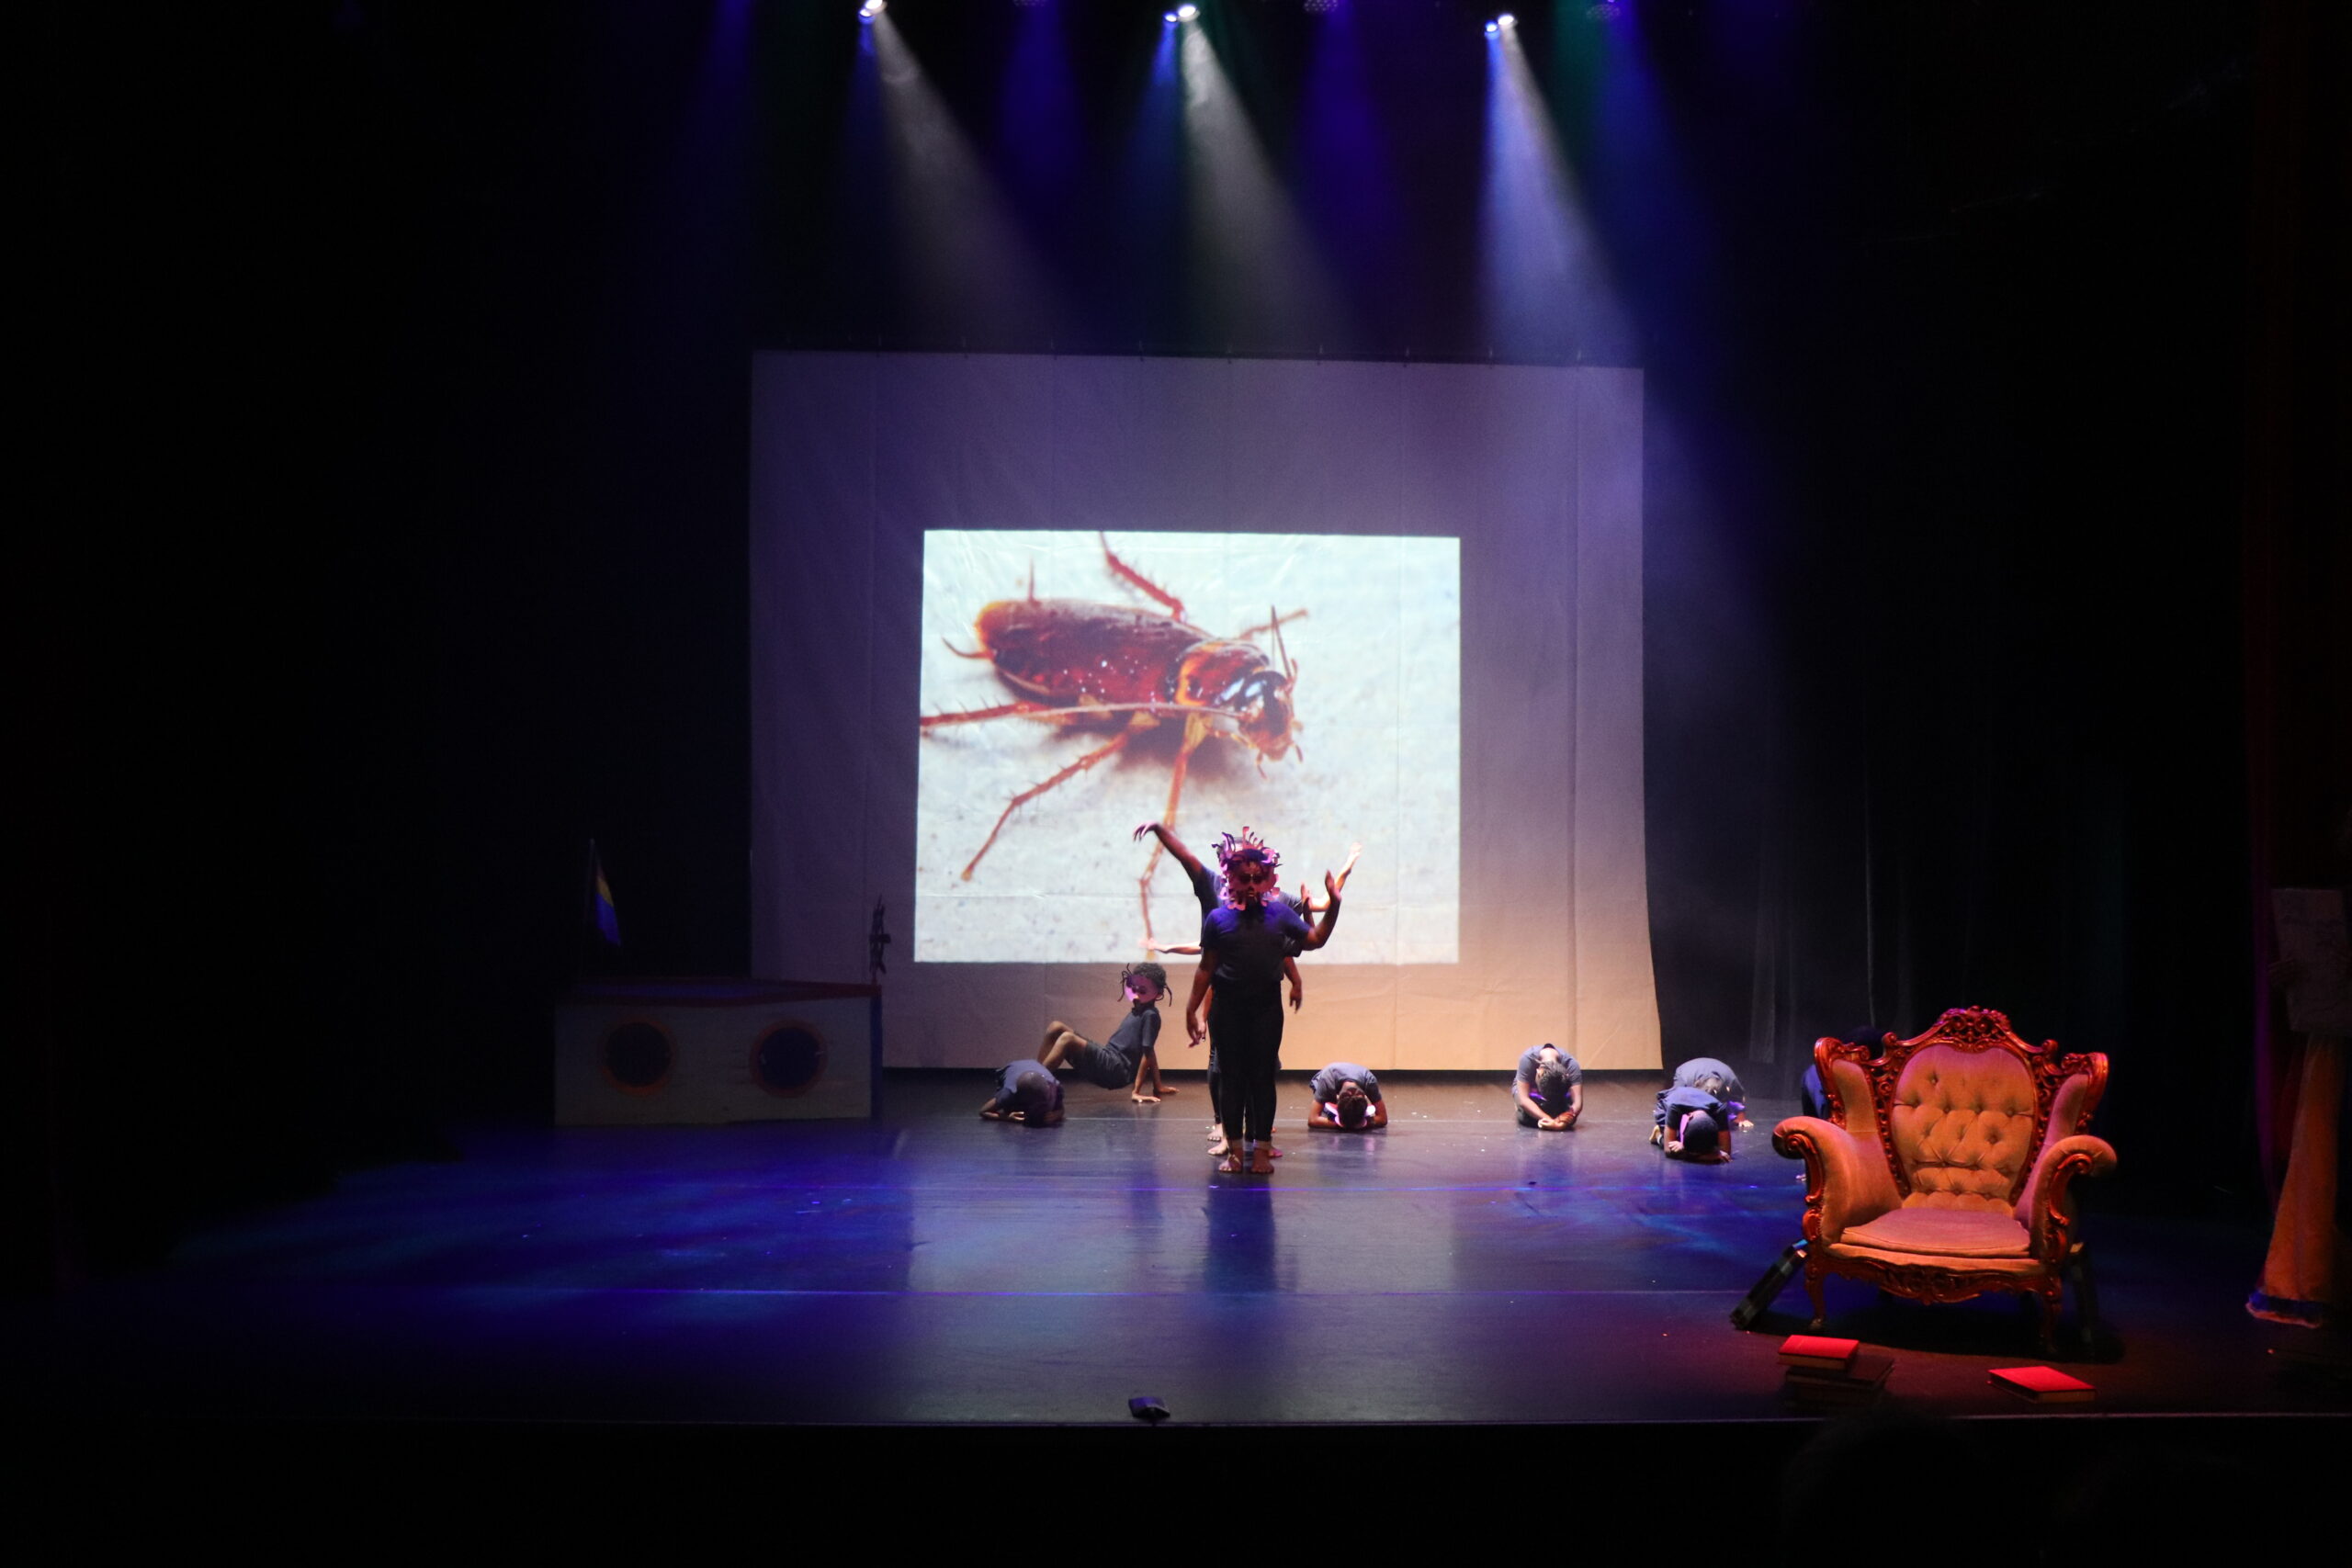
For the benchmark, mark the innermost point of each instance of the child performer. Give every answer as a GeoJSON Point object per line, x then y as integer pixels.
{"type": "Point", "coordinates": [1243, 944]}
{"type": "Point", "coordinates": [1130, 1057]}
{"type": "Point", "coordinates": [1717, 1082]}
{"type": "Point", "coordinates": [1697, 1113]}
{"type": "Point", "coordinates": [1025, 1091]}
{"type": "Point", "coordinates": [1347, 1099]}
{"type": "Point", "coordinates": [1209, 891]}
{"type": "Point", "coordinates": [1548, 1089]}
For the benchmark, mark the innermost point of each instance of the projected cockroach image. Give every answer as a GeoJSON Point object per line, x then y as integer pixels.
{"type": "Point", "coordinates": [1079, 664]}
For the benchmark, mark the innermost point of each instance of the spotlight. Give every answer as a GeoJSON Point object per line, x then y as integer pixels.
{"type": "Point", "coordinates": [1501, 24]}
{"type": "Point", "coordinates": [1183, 14]}
{"type": "Point", "coordinates": [871, 9]}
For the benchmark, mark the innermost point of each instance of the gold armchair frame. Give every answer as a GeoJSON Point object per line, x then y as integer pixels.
{"type": "Point", "coordinates": [1856, 1173]}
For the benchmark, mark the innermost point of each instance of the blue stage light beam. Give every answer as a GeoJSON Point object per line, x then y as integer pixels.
{"type": "Point", "coordinates": [1548, 296]}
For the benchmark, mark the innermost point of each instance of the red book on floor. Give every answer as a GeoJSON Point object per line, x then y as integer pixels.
{"type": "Point", "coordinates": [2046, 1385]}
{"type": "Point", "coordinates": [1818, 1353]}
{"type": "Point", "coordinates": [1871, 1370]}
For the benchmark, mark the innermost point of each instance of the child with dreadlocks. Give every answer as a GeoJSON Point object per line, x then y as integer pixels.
{"type": "Point", "coordinates": [1244, 945]}
{"type": "Point", "coordinates": [1131, 1055]}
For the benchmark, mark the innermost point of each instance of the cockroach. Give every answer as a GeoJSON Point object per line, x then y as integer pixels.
{"type": "Point", "coordinates": [1075, 662]}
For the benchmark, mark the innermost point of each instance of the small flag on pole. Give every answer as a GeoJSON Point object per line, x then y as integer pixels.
{"type": "Point", "coordinates": [601, 913]}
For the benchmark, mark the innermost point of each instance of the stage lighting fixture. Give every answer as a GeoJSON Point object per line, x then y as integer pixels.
{"type": "Point", "coordinates": [1184, 14]}
{"type": "Point", "coordinates": [871, 9]}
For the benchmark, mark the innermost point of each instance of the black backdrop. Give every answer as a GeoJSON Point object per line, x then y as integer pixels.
{"type": "Point", "coordinates": [387, 535]}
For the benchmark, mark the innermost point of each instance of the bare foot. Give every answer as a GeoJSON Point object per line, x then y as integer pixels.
{"type": "Point", "coordinates": [1263, 1165]}
{"type": "Point", "coordinates": [1271, 1150]}
{"type": "Point", "coordinates": [1229, 1166]}
{"type": "Point", "coordinates": [1658, 1136]}
{"type": "Point", "coordinates": [1219, 1146]}
{"type": "Point", "coordinates": [1162, 1090]}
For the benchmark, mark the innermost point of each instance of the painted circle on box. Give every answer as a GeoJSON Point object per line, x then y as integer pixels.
{"type": "Point", "coordinates": [788, 1060]}
{"type": "Point", "coordinates": [636, 1057]}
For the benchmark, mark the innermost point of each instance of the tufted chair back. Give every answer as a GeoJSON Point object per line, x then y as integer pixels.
{"type": "Point", "coordinates": [1964, 1127]}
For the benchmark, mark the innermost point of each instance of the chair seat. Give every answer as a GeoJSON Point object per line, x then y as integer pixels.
{"type": "Point", "coordinates": [1944, 1232]}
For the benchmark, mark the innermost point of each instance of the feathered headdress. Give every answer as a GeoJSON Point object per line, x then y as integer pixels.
{"type": "Point", "coordinates": [1250, 847]}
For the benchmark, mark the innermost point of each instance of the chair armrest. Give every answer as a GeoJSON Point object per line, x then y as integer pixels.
{"type": "Point", "coordinates": [1846, 1181]}
{"type": "Point", "coordinates": [2044, 1208]}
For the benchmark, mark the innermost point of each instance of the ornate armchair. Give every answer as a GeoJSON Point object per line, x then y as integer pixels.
{"type": "Point", "coordinates": [1944, 1168]}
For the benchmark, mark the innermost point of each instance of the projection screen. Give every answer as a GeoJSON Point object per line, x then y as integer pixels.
{"type": "Point", "coordinates": [1386, 605]}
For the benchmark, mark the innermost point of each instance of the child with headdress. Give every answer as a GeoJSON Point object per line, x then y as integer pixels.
{"type": "Point", "coordinates": [1244, 943]}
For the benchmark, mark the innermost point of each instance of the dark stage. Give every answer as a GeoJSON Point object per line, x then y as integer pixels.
{"type": "Point", "coordinates": [932, 1267]}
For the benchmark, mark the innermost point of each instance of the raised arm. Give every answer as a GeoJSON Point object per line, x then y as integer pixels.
{"type": "Point", "coordinates": [1174, 846]}
{"type": "Point", "coordinates": [1322, 931]}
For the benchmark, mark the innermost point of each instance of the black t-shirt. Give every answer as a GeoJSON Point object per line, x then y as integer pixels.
{"type": "Point", "coordinates": [1249, 945]}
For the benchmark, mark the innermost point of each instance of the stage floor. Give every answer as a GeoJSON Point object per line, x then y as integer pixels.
{"type": "Point", "coordinates": [929, 1267]}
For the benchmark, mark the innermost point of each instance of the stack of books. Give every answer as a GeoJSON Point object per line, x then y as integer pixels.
{"type": "Point", "coordinates": [1824, 1373]}
{"type": "Point", "coordinates": [2045, 1385]}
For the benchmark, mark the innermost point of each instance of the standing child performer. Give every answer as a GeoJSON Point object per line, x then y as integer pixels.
{"type": "Point", "coordinates": [1243, 944]}
{"type": "Point", "coordinates": [1130, 1057]}
{"type": "Point", "coordinates": [1210, 893]}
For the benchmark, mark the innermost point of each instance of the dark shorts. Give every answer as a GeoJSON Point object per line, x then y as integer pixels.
{"type": "Point", "coordinates": [1102, 1066]}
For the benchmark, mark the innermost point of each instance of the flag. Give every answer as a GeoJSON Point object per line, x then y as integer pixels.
{"type": "Point", "coordinates": [601, 913]}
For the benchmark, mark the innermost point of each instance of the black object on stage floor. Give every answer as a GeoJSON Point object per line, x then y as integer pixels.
{"type": "Point", "coordinates": [1761, 1296]}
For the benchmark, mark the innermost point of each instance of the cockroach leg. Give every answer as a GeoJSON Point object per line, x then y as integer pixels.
{"type": "Point", "coordinates": [1026, 795]}
{"type": "Point", "coordinates": [1121, 568]}
{"type": "Point", "coordinates": [959, 653]}
{"type": "Point", "coordinates": [1196, 730]}
{"type": "Point", "coordinates": [1003, 710]}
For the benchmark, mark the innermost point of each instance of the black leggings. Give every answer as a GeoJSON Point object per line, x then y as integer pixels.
{"type": "Point", "coordinates": [1249, 1033]}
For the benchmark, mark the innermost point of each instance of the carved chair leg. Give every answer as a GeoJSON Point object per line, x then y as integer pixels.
{"type": "Point", "coordinates": [2078, 1266]}
{"type": "Point", "coordinates": [1813, 1287]}
{"type": "Point", "coordinates": [2045, 1314]}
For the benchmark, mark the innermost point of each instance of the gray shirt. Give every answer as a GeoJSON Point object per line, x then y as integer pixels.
{"type": "Point", "coordinates": [1325, 1085]}
{"type": "Point", "coordinates": [1532, 1060]}
{"type": "Point", "coordinates": [1697, 1067]}
{"type": "Point", "coordinates": [1010, 1077]}
{"type": "Point", "coordinates": [1138, 1033]}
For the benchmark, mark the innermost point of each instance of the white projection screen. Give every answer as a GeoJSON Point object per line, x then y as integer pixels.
{"type": "Point", "coordinates": [1455, 557]}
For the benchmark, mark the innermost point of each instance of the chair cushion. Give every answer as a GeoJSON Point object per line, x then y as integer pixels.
{"type": "Point", "coordinates": [1944, 1232]}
